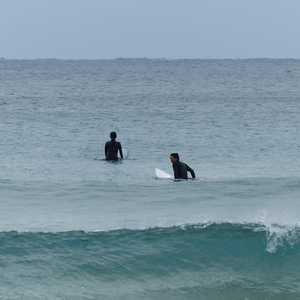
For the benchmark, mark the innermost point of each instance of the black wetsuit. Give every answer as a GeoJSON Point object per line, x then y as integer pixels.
{"type": "Point", "coordinates": [111, 150]}
{"type": "Point", "coordinates": [181, 169]}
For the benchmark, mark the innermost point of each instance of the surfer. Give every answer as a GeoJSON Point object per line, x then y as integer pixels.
{"type": "Point", "coordinates": [112, 147]}
{"type": "Point", "coordinates": [180, 168]}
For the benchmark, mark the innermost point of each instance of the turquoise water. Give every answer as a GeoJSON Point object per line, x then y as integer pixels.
{"type": "Point", "coordinates": [221, 261]}
{"type": "Point", "coordinates": [75, 227]}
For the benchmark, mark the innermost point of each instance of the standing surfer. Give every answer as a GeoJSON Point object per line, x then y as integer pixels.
{"type": "Point", "coordinates": [112, 147]}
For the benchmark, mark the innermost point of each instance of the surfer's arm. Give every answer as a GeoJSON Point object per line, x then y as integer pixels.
{"type": "Point", "coordinates": [120, 150]}
{"type": "Point", "coordinates": [191, 171]}
{"type": "Point", "coordinates": [105, 150]}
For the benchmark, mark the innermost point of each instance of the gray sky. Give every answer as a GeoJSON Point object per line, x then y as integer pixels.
{"type": "Point", "coordinates": [171, 29]}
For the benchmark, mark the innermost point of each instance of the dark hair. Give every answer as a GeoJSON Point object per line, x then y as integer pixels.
{"type": "Point", "coordinates": [175, 155]}
{"type": "Point", "coordinates": [113, 134]}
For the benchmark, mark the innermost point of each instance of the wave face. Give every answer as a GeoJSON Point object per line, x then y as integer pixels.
{"type": "Point", "coordinates": [200, 261]}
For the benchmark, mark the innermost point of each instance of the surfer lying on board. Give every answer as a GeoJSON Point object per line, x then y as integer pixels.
{"type": "Point", "coordinates": [180, 168]}
{"type": "Point", "coordinates": [112, 147]}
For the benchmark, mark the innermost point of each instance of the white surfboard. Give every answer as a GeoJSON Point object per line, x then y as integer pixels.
{"type": "Point", "coordinates": [125, 153]}
{"type": "Point", "coordinates": [161, 174]}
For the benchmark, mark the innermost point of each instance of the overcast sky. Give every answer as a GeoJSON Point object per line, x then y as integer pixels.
{"type": "Point", "coordinates": [171, 29]}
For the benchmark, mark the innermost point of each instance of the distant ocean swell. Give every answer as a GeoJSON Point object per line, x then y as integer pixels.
{"type": "Point", "coordinates": [190, 259]}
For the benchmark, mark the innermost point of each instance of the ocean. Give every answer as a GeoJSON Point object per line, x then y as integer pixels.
{"type": "Point", "coordinates": [73, 226]}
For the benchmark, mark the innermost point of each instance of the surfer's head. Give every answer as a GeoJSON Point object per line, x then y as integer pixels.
{"type": "Point", "coordinates": [113, 135]}
{"type": "Point", "coordinates": [174, 157]}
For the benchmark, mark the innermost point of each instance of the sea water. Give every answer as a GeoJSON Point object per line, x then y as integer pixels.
{"type": "Point", "coordinates": [73, 226]}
